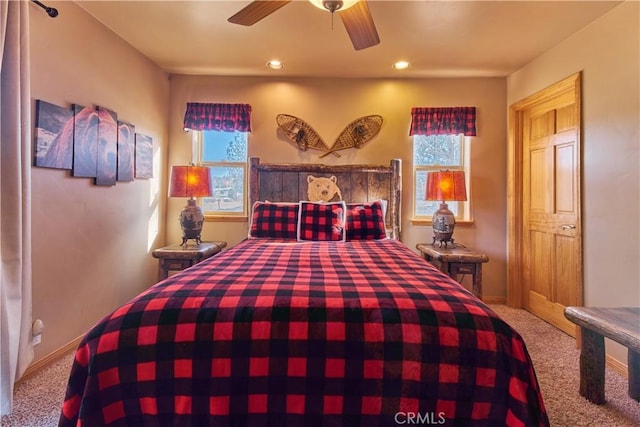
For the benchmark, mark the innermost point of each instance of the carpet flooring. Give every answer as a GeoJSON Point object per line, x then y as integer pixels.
{"type": "Point", "coordinates": [38, 399]}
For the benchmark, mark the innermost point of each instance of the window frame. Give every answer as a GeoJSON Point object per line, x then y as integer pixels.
{"type": "Point", "coordinates": [197, 140]}
{"type": "Point", "coordinates": [464, 213]}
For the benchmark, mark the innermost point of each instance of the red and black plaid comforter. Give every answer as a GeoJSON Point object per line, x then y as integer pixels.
{"type": "Point", "coordinates": [361, 333]}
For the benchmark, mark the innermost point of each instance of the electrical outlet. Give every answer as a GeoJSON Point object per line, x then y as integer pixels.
{"type": "Point", "coordinates": [37, 339]}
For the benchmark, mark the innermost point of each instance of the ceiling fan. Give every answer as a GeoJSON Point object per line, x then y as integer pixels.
{"type": "Point", "coordinates": [355, 16]}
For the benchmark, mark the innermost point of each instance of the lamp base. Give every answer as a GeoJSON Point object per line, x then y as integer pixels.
{"type": "Point", "coordinates": [443, 242]}
{"type": "Point", "coordinates": [444, 222]}
{"type": "Point", "coordinates": [191, 221]}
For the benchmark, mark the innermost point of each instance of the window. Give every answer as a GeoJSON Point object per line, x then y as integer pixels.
{"type": "Point", "coordinates": [433, 153]}
{"type": "Point", "coordinates": [225, 153]}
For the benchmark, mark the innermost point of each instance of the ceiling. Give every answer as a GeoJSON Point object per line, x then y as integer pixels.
{"type": "Point", "coordinates": [438, 38]}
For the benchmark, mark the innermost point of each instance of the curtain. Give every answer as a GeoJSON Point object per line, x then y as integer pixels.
{"type": "Point", "coordinates": [220, 117]}
{"type": "Point", "coordinates": [16, 349]}
{"type": "Point", "coordinates": [443, 121]}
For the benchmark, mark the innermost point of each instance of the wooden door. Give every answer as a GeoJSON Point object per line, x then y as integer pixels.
{"type": "Point", "coordinates": [550, 233]}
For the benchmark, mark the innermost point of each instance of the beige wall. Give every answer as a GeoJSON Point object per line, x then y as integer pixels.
{"type": "Point", "coordinates": [608, 54]}
{"type": "Point", "coordinates": [328, 105]}
{"type": "Point", "coordinates": [91, 244]}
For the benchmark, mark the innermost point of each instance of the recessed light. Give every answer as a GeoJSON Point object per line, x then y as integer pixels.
{"type": "Point", "coordinates": [401, 65]}
{"type": "Point", "coordinates": [274, 64]}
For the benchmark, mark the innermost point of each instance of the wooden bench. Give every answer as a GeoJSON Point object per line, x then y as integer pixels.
{"type": "Point", "coordinates": [620, 324]}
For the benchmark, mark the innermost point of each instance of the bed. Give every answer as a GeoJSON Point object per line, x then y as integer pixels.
{"type": "Point", "coordinates": [330, 328]}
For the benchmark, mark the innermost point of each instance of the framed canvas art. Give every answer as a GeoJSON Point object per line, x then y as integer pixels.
{"type": "Point", "coordinates": [85, 141]}
{"type": "Point", "coordinates": [53, 136]}
{"type": "Point", "coordinates": [144, 156]}
{"type": "Point", "coordinates": [107, 147]}
{"type": "Point", "coordinates": [126, 151]}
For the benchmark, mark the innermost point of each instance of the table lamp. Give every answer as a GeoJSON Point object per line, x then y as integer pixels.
{"type": "Point", "coordinates": [190, 181]}
{"type": "Point", "coordinates": [445, 186]}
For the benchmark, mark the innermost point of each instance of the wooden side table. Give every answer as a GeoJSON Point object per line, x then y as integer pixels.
{"type": "Point", "coordinates": [456, 259]}
{"type": "Point", "coordinates": [177, 257]}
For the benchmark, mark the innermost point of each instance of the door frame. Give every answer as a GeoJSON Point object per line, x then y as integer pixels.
{"type": "Point", "coordinates": [515, 169]}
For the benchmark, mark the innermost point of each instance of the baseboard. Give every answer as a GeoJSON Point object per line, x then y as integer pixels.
{"type": "Point", "coordinates": [617, 366]}
{"type": "Point", "coordinates": [494, 300]}
{"type": "Point", "coordinates": [39, 364]}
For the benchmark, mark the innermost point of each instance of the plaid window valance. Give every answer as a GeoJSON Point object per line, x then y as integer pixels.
{"type": "Point", "coordinates": [443, 121]}
{"type": "Point", "coordinates": [220, 117]}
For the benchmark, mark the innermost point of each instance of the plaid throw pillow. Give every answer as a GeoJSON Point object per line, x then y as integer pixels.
{"type": "Point", "coordinates": [322, 221]}
{"type": "Point", "coordinates": [275, 220]}
{"type": "Point", "coordinates": [365, 221]}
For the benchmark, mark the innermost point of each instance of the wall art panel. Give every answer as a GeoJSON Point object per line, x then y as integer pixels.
{"type": "Point", "coordinates": [85, 141]}
{"type": "Point", "coordinates": [53, 136]}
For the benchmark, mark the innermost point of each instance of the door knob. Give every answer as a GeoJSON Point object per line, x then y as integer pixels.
{"type": "Point", "coordinates": [568, 227]}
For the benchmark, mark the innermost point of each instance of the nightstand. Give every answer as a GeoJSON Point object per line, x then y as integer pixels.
{"type": "Point", "coordinates": [454, 260]}
{"type": "Point", "coordinates": [177, 257]}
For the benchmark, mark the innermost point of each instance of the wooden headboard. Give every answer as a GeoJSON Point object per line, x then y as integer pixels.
{"type": "Point", "coordinates": [287, 182]}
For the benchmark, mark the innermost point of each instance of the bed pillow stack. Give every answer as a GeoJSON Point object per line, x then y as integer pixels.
{"type": "Point", "coordinates": [319, 221]}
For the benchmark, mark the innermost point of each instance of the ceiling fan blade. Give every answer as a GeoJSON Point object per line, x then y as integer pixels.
{"type": "Point", "coordinates": [359, 24]}
{"type": "Point", "coordinates": [257, 10]}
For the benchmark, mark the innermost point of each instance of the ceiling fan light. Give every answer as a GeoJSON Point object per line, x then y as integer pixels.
{"type": "Point", "coordinates": [333, 6]}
